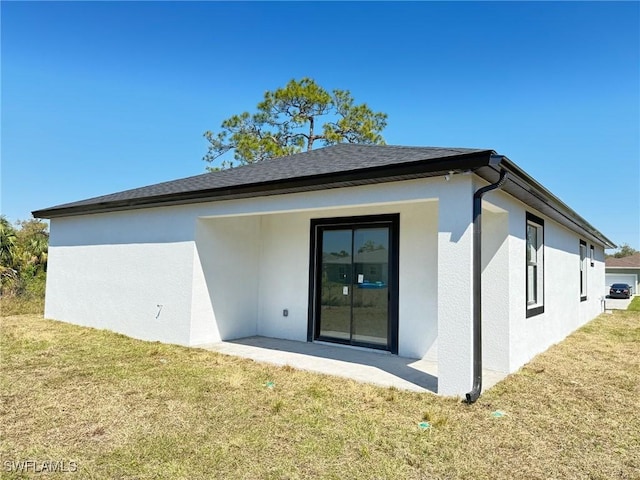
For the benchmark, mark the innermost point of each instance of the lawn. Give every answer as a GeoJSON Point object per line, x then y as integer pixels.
{"type": "Point", "coordinates": [128, 409]}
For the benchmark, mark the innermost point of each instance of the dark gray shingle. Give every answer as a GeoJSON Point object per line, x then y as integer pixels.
{"type": "Point", "coordinates": [324, 161]}
{"type": "Point", "coordinates": [332, 167]}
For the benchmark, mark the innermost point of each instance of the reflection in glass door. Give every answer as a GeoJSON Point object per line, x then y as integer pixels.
{"type": "Point", "coordinates": [353, 281]}
{"type": "Point", "coordinates": [336, 288]}
{"type": "Point", "coordinates": [370, 305]}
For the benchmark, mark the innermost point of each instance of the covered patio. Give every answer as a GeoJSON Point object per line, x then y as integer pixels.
{"type": "Point", "coordinates": [359, 364]}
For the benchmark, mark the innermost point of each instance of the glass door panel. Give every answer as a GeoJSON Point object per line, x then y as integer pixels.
{"type": "Point", "coordinates": [336, 284]}
{"type": "Point", "coordinates": [354, 294]}
{"type": "Point", "coordinates": [371, 286]}
{"type": "Point", "coordinates": [354, 285]}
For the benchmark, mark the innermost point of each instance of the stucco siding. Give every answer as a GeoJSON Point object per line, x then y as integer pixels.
{"type": "Point", "coordinates": [595, 278]}
{"type": "Point", "coordinates": [141, 290]}
{"type": "Point", "coordinates": [153, 225]}
{"type": "Point", "coordinates": [418, 296]}
{"type": "Point", "coordinates": [215, 271]}
{"type": "Point", "coordinates": [284, 276]}
{"type": "Point", "coordinates": [129, 271]}
{"type": "Point", "coordinates": [455, 280]}
{"type": "Point", "coordinates": [496, 288]}
{"type": "Point", "coordinates": [564, 311]}
{"type": "Point", "coordinates": [276, 265]}
{"type": "Point", "coordinates": [510, 339]}
{"type": "Point", "coordinates": [202, 273]}
{"type": "Point", "coordinates": [229, 252]}
{"type": "Point", "coordinates": [204, 328]}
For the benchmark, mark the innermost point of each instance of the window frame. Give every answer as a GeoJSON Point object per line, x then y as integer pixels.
{"type": "Point", "coordinates": [536, 308]}
{"type": "Point", "coordinates": [582, 252]}
{"type": "Point", "coordinates": [592, 255]}
{"type": "Point", "coordinates": [320, 225]}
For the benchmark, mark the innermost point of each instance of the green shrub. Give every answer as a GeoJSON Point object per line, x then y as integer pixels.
{"type": "Point", "coordinates": [23, 265]}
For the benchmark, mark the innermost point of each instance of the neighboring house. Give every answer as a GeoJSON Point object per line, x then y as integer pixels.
{"type": "Point", "coordinates": [370, 246]}
{"type": "Point", "coordinates": [623, 270]}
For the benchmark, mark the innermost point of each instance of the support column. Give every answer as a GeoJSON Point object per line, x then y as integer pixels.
{"type": "Point", "coordinates": [455, 293]}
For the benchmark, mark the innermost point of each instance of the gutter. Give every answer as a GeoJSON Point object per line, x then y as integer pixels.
{"type": "Point", "coordinates": [522, 185]}
{"type": "Point", "coordinates": [216, 186]}
{"type": "Point", "coordinates": [473, 395]}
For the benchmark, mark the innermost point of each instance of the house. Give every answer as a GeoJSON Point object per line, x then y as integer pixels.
{"type": "Point", "coordinates": [623, 270]}
{"type": "Point", "coordinates": [449, 254]}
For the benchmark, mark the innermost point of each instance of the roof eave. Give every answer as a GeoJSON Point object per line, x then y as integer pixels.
{"type": "Point", "coordinates": [526, 189]}
{"type": "Point", "coordinates": [519, 184]}
{"type": "Point", "coordinates": [387, 173]}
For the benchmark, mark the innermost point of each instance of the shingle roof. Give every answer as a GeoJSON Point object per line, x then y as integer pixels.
{"type": "Point", "coordinates": [632, 261]}
{"type": "Point", "coordinates": [341, 158]}
{"type": "Point", "coordinates": [337, 166]}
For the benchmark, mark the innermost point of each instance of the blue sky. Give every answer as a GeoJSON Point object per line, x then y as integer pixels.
{"type": "Point", "coordinates": [99, 97]}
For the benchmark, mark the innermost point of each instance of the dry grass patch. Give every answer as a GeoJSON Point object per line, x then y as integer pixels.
{"type": "Point", "coordinates": [21, 305]}
{"type": "Point", "coordinates": [123, 408]}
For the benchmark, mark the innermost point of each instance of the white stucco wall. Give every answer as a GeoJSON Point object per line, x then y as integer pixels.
{"type": "Point", "coordinates": [563, 310]}
{"type": "Point", "coordinates": [496, 287]}
{"type": "Point", "coordinates": [201, 273]}
{"type": "Point", "coordinates": [279, 265]}
{"type": "Point", "coordinates": [455, 280]}
{"type": "Point", "coordinates": [418, 296]}
{"type": "Point", "coordinates": [225, 270]}
{"type": "Point", "coordinates": [129, 272]}
{"type": "Point", "coordinates": [229, 252]}
{"type": "Point", "coordinates": [204, 328]}
{"type": "Point", "coordinates": [283, 239]}
{"type": "Point", "coordinates": [284, 276]}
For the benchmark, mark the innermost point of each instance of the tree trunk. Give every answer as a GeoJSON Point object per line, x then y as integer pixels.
{"type": "Point", "coordinates": [311, 137]}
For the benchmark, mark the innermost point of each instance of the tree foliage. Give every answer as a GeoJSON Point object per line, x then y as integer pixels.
{"type": "Point", "coordinates": [626, 250]}
{"type": "Point", "coordinates": [23, 257]}
{"type": "Point", "coordinates": [288, 121]}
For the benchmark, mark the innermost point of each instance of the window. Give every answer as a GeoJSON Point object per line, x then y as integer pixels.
{"type": "Point", "coordinates": [583, 270]}
{"type": "Point", "coordinates": [535, 265]}
{"type": "Point", "coordinates": [592, 255]}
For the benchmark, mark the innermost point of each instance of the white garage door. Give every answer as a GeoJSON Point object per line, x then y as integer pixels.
{"type": "Point", "coordinates": [628, 278]}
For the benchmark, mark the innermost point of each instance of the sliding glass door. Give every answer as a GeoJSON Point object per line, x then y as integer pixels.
{"type": "Point", "coordinates": [355, 291]}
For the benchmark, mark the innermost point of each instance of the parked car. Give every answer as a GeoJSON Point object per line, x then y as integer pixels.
{"type": "Point", "coordinates": [619, 290]}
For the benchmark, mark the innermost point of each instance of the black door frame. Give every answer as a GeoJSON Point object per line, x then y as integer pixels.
{"type": "Point", "coordinates": [318, 225]}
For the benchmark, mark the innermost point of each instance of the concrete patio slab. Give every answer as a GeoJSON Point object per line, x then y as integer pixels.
{"type": "Point", "coordinates": [362, 365]}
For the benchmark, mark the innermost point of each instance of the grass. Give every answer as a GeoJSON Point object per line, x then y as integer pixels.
{"type": "Point", "coordinates": [22, 304]}
{"type": "Point", "coordinates": [634, 306]}
{"type": "Point", "coordinates": [123, 408]}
